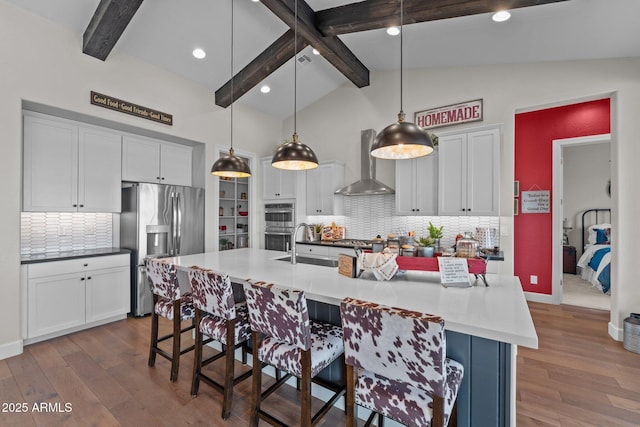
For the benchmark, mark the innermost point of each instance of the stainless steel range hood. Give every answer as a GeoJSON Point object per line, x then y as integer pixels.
{"type": "Point", "coordinates": [367, 185]}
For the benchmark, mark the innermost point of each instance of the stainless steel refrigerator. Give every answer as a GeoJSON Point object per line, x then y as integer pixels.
{"type": "Point", "coordinates": [158, 221]}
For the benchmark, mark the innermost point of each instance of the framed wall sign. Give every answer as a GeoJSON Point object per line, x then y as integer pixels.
{"type": "Point", "coordinates": [464, 112]}
{"type": "Point", "coordinates": [537, 201]}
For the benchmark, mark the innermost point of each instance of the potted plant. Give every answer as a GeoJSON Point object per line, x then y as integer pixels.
{"type": "Point", "coordinates": [425, 246]}
{"type": "Point", "coordinates": [436, 234]}
{"type": "Point", "coordinates": [317, 232]}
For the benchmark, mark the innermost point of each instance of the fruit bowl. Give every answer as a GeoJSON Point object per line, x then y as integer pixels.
{"type": "Point", "coordinates": [243, 213]}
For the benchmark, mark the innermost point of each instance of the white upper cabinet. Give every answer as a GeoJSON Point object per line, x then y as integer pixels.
{"type": "Point", "coordinates": [277, 183]}
{"type": "Point", "coordinates": [322, 182]}
{"type": "Point", "coordinates": [70, 168]}
{"type": "Point", "coordinates": [149, 160]}
{"type": "Point", "coordinates": [417, 185]}
{"type": "Point", "coordinates": [469, 173]}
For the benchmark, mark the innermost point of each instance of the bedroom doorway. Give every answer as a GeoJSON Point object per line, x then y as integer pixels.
{"type": "Point", "coordinates": [580, 180]}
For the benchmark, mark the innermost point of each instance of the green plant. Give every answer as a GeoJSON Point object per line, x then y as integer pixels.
{"type": "Point", "coordinates": [435, 232]}
{"type": "Point", "coordinates": [424, 241]}
{"type": "Point", "coordinates": [317, 228]}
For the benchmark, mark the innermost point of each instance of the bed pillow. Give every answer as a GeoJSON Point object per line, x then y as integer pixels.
{"type": "Point", "coordinates": [601, 236]}
{"type": "Point", "coordinates": [592, 236]}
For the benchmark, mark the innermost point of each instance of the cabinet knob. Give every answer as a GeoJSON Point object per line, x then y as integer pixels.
{"type": "Point", "coordinates": [82, 206]}
{"type": "Point", "coordinates": [82, 278]}
{"type": "Point", "coordinates": [157, 177]}
{"type": "Point", "coordinates": [85, 265]}
{"type": "Point", "coordinates": [89, 278]}
{"type": "Point", "coordinates": [162, 178]}
{"type": "Point", "coordinates": [75, 206]}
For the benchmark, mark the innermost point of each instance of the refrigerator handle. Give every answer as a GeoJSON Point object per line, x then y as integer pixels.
{"type": "Point", "coordinates": [172, 251]}
{"type": "Point", "coordinates": [178, 222]}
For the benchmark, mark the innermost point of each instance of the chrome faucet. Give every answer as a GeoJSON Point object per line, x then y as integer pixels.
{"type": "Point", "coordinates": [293, 239]}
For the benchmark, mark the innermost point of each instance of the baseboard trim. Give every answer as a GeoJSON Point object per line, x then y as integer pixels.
{"type": "Point", "coordinates": [10, 349]}
{"type": "Point", "coordinates": [535, 297]}
{"type": "Point", "coordinates": [615, 332]}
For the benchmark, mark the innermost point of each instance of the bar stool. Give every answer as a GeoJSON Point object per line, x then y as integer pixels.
{"type": "Point", "coordinates": [167, 300]}
{"type": "Point", "coordinates": [397, 365]}
{"type": "Point", "coordinates": [221, 319]}
{"type": "Point", "coordinates": [284, 337]}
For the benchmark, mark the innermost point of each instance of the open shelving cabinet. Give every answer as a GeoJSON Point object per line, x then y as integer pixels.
{"type": "Point", "coordinates": [233, 213]}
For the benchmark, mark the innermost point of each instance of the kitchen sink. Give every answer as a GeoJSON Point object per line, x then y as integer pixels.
{"type": "Point", "coordinates": [312, 261]}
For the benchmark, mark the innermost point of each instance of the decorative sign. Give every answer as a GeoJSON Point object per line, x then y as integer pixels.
{"type": "Point", "coordinates": [130, 108]}
{"type": "Point", "coordinates": [454, 272]}
{"type": "Point", "coordinates": [470, 111]}
{"type": "Point", "coordinates": [538, 201]}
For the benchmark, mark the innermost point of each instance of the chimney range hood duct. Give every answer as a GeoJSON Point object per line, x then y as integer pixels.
{"type": "Point", "coordinates": [367, 185]}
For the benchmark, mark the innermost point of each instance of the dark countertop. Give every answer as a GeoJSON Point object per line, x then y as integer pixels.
{"type": "Point", "coordinates": [336, 244]}
{"type": "Point", "coordinates": [80, 253]}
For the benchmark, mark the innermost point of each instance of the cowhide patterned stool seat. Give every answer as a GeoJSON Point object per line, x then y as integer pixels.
{"type": "Point", "coordinates": [167, 302]}
{"type": "Point", "coordinates": [284, 337]}
{"type": "Point", "coordinates": [397, 365]}
{"type": "Point", "coordinates": [219, 318]}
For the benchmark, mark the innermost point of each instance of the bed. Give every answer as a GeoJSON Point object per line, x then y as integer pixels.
{"type": "Point", "coordinates": [595, 263]}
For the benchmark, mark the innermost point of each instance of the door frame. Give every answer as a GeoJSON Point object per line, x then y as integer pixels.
{"type": "Point", "coordinates": [558, 207]}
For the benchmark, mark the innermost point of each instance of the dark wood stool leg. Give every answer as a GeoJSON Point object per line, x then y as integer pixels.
{"type": "Point", "coordinates": [197, 356]}
{"type": "Point", "coordinates": [227, 398]}
{"type": "Point", "coordinates": [305, 388]}
{"type": "Point", "coordinates": [175, 359]}
{"type": "Point", "coordinates": [154, 334]}
{"type": "Point", "coordinates": [256, 390]}
{"type": "Point", "coordinates": [350, 397]}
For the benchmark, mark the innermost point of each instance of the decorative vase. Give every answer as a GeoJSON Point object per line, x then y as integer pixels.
{"type": "Point", "coordinates": [428, 251]}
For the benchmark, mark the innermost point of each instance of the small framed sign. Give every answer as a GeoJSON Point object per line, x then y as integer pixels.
{"type": "Point", "coordinates": [464, 112]}
{"type": "Point", "coordinates": [454, 272]}
{"type": "Point", "coordinates": [538, 201]}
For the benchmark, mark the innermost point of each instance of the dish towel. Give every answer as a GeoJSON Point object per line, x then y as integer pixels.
{"type": "Point", "coordinates": [383, 265]}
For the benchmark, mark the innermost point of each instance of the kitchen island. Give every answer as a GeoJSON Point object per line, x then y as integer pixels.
{"type": "Point", "coordinates": [484, 324]}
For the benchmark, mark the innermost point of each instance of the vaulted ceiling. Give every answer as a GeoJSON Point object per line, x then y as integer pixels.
{"type": "Point", "coordinates": [349, 36]}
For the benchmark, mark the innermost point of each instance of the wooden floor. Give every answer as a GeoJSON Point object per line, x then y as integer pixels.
{"type": "Point", "coordinates": [578, 377]}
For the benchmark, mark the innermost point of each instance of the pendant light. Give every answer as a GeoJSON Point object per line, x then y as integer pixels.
{"type": "Point", "coordinates": [295, 155]}
{"type": "Point", "coordinates": [402, 140]}
{"type": "Point", "coordinates": [231, 166]}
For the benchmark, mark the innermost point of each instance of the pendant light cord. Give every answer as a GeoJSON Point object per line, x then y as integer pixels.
{"type": "Point", "coordinates": [295, 68]}
{"type": "Point", "coordinates": [401, 52]}
{"type": "Point", "coordinates": [231, 77]}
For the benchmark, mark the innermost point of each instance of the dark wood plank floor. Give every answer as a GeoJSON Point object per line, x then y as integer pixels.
{"type": "Point", "coordinates": [578, 377]}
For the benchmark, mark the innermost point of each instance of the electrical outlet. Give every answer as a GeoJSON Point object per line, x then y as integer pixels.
{"type": "Point", "coordinates": [533, 280]}
{"type": "Point", "coordinates": [90, 230]}
{"type": "Point", "coordinates": [504, 230]}
{"type": "Point", "coordinates": [62, 230]}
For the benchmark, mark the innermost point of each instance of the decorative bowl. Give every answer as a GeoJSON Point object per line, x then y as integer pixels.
{"type": "Point", "coordinates": [243, 213]}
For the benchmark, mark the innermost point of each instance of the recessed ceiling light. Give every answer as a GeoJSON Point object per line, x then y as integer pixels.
{"type": "Point", "coordinates": [501, 16]}
{"type": "Point", "coordinates": [315, 52]}
{"type": "Point", "coordinates": [265, 89]}
{"type": "Point", "coordinates": [255, 1]}
{"type": "Point", "coordinates": [199, 53]}
{"type": "Point", "coordinates": [393, 31]}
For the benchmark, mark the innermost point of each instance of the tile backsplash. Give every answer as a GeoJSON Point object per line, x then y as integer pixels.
{"type": "Point", "coordinates": [367, 216]}
{"type": "Point", "coordinates": [42, 232]}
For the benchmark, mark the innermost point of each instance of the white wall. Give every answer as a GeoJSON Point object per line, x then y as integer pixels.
{"type": "Point", "coordinates": [43, 63]}
{"type": "Point", "coordinates": [586, 172]}
{"type": "Point", "coordinates": [332, 128]}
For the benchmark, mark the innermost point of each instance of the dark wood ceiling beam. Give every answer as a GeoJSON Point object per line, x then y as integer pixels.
{"type": "Point", "coordinates": [107, 25]}
{"type": "Point", "coordinates": [331, 48]}
{"type": "Point", "coordinates": [259, 69]}
{"type": "Point", "coordinates": [375, 14]}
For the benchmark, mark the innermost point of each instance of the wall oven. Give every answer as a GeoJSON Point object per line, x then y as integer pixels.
{"type": "Point", "coordinates": [279, 220]}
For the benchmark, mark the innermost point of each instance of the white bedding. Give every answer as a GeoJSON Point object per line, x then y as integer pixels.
{"type": "Point", "coordinates": [586, 272]}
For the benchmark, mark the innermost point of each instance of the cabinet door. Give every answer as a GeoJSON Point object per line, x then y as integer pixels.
{"type": "Point", "coordinates": [55, 303]}
{"type": "Point", "coordinates": [270, 180]}
{"type": "Point", "coordinates": [175, 164]}
{"type": "Point", "coordinates": [483, 172]}
{"type": "Point", "coordinates": [426, 184]}
{"type": "Point", "coordinates": [405, 187]}
{"type": "Point", "coordinates": [287, 184]}
{"type": "Point", "coordinates": [140, 159]}
{"type": "Point", "coordinates": [50, 174]}
{"type": "Point", "coordinates": [107, 293]}
{"type": "Point", "coordinates": [452, 175]}
{"type": "Point", "coordinates": [99, 171]}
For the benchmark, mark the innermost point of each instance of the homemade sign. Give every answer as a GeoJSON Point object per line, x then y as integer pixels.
{"type": "Point", "coordinates": [454, 272]}
{"type": "Point", "coordinates": [116, 104]}
{"type": "Point", "coordinates": [470, 111]}
{"type": "Point", "coordinates": [538, 201]}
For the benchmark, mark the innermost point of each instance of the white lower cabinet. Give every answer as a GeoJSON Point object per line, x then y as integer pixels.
{"type": "Point", "coordinates": [64, 296]}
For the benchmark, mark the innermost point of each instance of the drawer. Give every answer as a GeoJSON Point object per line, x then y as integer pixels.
{"type": "Point", "coordinates": [314, 250]}
{"type": "Point", "coordinates": [76, 265]}
{"type": "Point", "coordinates": [334, 252]}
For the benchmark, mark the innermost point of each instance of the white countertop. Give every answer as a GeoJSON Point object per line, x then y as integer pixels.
{"type": "Point", "coordinates": [498, 312]}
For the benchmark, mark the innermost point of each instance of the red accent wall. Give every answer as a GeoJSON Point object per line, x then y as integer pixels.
{"type": "Point", "coordinates": [534, 133]}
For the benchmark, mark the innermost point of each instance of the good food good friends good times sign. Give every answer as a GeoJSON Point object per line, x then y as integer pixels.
{"type": "Point", "coordinates": [116, 104]}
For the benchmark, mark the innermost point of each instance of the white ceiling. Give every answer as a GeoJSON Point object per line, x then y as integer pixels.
{"type": "Point", "coordinates": [164, 32]}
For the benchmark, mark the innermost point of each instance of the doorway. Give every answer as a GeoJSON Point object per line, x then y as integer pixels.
{"type": "Point", "coordinates": [581, 171]}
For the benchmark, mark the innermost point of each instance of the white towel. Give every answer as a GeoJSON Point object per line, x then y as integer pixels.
{"type": "Point", "coordinates": [382, 264]}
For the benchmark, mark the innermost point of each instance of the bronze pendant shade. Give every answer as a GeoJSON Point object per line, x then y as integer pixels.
{"type": "Point", "coordinates": [231, 166]}
{"type": "Point", "coordinates": [294, 155]}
